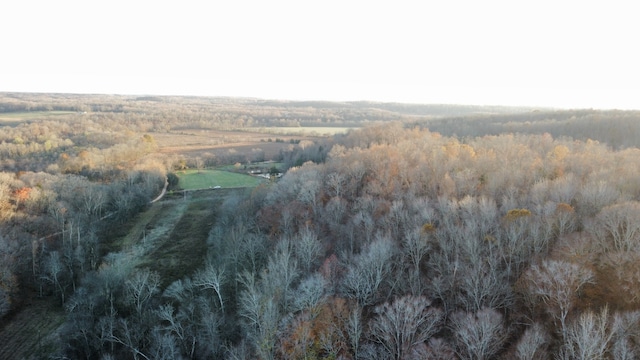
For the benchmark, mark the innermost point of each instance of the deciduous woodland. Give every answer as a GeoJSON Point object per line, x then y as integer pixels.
{"type": "Point", "coordinates": [422, 232]}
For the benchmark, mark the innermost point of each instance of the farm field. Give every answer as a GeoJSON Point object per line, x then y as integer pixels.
{"type": "Point", "coordinates": [197, 142]}
{"type": "Point", "coordinates": [302, 130]}
{"type": "Point", "coordinates": [14, 118]}
{"type": "Point", "coordinates": [203, 179]}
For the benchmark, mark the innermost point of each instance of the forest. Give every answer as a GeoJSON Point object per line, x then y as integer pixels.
{"type": "Point", "coordinates": [421, 232]}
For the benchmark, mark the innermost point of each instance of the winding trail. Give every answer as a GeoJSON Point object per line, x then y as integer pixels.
{"type": "Point", "coordinates": [164, 191]}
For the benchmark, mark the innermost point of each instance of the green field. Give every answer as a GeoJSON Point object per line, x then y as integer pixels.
{"type": "Point", "coordinates": [203, 179]}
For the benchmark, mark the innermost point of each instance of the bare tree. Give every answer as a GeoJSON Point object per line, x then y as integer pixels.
{"type": "Point", "coordinates": [182, 290]}
{"type": "Point", "coordinates": [478, 336]}
{"type": "Point", "coordinates": [619, 224]}
{"type": "Point", "coordinates": [368, 271]}
{"type": "Point", "coordinates": [436, 349]}
{"type": "Point", "coordinates": [484, 284]}
{"type": "Point", "coordinates": [310, 293]}
{"type": "Point", "coordinates": [131, 337]}
{"type": "Point", "coordinates": [623, 349]}
{"type": "Point", "coordinates": [208, 333]}
{"type": "Point", "coordinates": [211, 277]}
{"type": "Point", "coordinates": [364, 224]}
{"type": "Point", "coordinates": [533, 343]}
{"type": "Point", "coordinates": [565, 218]}
{"type": "Point", "coordinates": [415, 246]}
{"type": "Point", "coordinates": [335, 210]}
{"type": "Point", "coordinates": [355, 330]}
{"type": "Point", "coordinates": [516, 232]}
{"type": "Point", "coordinates": [93, 198]}
{"type": "Point", "coordinates": [625, 327]}
{"type": "Point", "coordinates": [335, 183]}
{"type": "Point", "coordinates": [181, 325]}
{"type": "Point", "coordinates": [587, 337]}
{"type": "Point", "coordinates": [260, 316]}
{"type": "Point", "coordinates": [556, 284]}
{"type": "Point", "coordinates": [240, 351]}
{"type": "Point", "coordinates": [282, 271]}
{"type": "Point", "coordinates": [309, 185]}
{"type": "Point", "coordinates": [308, 249]}
{"type": "Point", "coordinates": [163, 346]}
{"type": "Point", "coordinates": [140, 287]}
{"type": "Point", "coordinates": [54, 273]}
{"type": "Point", "coordinates": [595, 195]}
{"type": "Point", "coordinates": [250, 249]}
{"type": "Point", "coordinates": [404, 324]}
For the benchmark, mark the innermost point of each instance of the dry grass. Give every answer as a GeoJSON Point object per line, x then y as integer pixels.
{"type": "Point", "coordinates": [192, 143]}
{"type": "Point", "coordinates": [181, 249]}
{"type": "Point", "coordinates": [302, 131]}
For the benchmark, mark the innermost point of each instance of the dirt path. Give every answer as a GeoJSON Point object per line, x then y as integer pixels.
{"type": "Point", "coordinates": [164, 191]}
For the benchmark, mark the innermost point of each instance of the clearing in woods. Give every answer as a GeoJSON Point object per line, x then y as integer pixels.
{"type": "Point", "coordinates": [204, 179]}
{"type": "Point", "coordinates": [179, 249]}
{"type": "Point", "coordinates": [170, 237]}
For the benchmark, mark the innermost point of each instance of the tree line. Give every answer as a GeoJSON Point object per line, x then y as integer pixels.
{"type": "Point", "coordinates": [619, 129]}
{"type": "Point", "coordinates": [165, 113]}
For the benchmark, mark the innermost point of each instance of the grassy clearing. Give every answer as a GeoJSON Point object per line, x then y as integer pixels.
{"type": "Point", "coordinates": [171, 236]}
{"type": "Point", "coordinates": [153, 223]}
{"type": "Point", "coordinates": [203, 179]}
{"type": "Point", "coordinates": [182, 250]}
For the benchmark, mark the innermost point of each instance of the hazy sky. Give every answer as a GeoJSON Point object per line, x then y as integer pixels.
{"type": "Point", "coordinates": [553, 53]}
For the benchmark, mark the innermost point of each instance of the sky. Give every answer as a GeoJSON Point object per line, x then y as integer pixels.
{"type": "Point", "coordinates": [567, 54]}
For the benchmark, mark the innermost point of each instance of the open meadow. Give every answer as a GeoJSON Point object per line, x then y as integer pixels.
{"type": "Point", "coordinates": [206, 178]}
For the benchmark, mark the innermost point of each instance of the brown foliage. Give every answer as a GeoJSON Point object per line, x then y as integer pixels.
{"type": "Point", "coordinates": [515, 214]}
{"type": "Point", "coordinates": [22, 194]}
{"type": "Point", "coordinates": [318, 333]}
{"type": "Point", "coordinates": [616, 285]}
